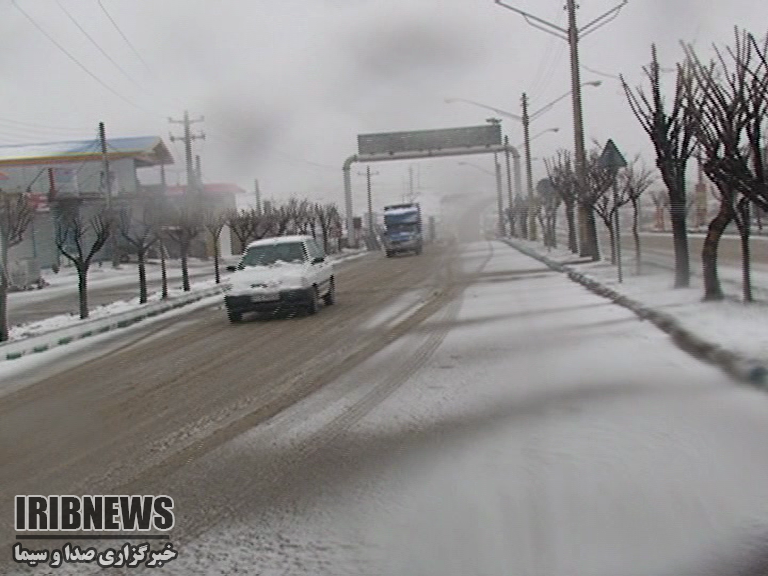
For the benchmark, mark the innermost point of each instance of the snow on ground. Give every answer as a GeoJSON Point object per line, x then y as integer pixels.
{"type": "Point", "coordinates": [65, 320]}
{"type": "Point", "coordinates": [532, 428]}
{"type": "Point", "coordinates": [735, 325]}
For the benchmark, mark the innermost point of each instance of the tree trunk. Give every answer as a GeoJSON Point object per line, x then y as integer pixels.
{"type": "Point", "coordinates": [712, 289]}
{"type": "Point", "coordinates": [593, 247]}
{"type": "Point", "coordinates": [553, 229]}
{"type": "Point", "coordinates": [4, 291]}
{"type": "Point", "coordinates": [523, 216]}
{"type": "Point", "coordinates": [82, 289]}
{"type": "Point", "coordinates": [743, 224]}
{"type": "Point", "coordinates": [573, 244]}
{"type": "Point", "coordinates": [163, 270]}
{"type": "Point", "coordinates": [216, 259]}
{"type": "Point", "coordinates": [184, 270]}
{"type": "Point", "coordinates": [636, 236]}
{"type": "Point", "coordinates": [677, 215]}
{"type": "Point", "coordinates": [612, 237]}
{"type": "Point", "coordinates": [141, 254]}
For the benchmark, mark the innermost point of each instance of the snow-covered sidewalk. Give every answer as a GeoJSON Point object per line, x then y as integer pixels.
{"type": "Point", "coordinates": [730, 333]}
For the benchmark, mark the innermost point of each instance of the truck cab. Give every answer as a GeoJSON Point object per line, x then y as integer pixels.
{"type": "Point", "coordinates": [402, 223]}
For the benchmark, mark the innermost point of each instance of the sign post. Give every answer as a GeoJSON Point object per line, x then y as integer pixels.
{"type": "Point", "coordinates": [612, 159]}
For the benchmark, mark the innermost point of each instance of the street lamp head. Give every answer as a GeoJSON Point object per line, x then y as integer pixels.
{"type": "Point", "coordinates": [494, 121]}
{"type": "Point", "coordinates": [593, 83]}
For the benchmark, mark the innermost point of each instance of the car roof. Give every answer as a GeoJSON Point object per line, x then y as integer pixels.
{"type": "Point", "coordinates": [280, 240]}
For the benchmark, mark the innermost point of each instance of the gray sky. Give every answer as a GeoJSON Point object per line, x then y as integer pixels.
{"type": "Point", "coordinates": [286, 86]}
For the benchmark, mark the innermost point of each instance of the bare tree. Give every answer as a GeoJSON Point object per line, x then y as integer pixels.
{"type": "Point", "coordinates": [633, 181]}
{"type": "Point", "coordinates": [660, 200]}
{"type": "Point", "coordinates": [329, 219]}
{"type": "Point", "coordinates": [548, 199]}
{"type": "Point", "coordinates": [214, 223]}
{"type": "Point", "coordinates": [731, 109]}
{"type": "Point", "coordinates": [184, 225]}
{"type": "Point", "coordinates": [599, 181]}
{"type": "Point", "coordinates": [521, 210]}
{"type": "Point", "coordinates": [563, 178]}
{"type": "Point", "coordinates": [242, 226]}
{"type": "Point", "coordinates": [79, 239]}
{"type": "Point", "coordinates": [140, 229]}
{"type": "Point", "coordinates": [16, 214]}
{"type": "Point", "coordinates": [671, 129]}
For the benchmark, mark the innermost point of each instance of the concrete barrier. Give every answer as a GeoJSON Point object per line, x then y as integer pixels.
{"type": "Point", "coordinates": [87, 328]}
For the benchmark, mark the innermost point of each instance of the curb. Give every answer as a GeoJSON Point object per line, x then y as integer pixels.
{"type": "Point", "coordinates": [744, 369]}
{"type": "Point", "coordinates": [43, 342]}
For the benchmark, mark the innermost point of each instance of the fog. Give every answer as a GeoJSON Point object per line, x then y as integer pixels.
{"type": "Point", "coordinates": [286, 87]}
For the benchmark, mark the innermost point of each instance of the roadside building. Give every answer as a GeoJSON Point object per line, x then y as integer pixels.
{"type": "Point", "coordinates": [56, 173]}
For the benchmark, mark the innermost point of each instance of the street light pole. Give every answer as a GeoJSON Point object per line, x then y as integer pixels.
{"type": "Point", "coordinates": [497, 172]}
{"type": "Point", "coordinates": [587, 242]}
{"type": "Point", "coordinates": [528, 175]}
{"type": "Point", "coordinates": [509, 188]}
{"type": "Point", "coordinates": [499, 196]}
{"type": "Point", "coordinates": [587, 228]}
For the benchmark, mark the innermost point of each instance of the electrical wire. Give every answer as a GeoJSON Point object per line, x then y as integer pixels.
{"type": "Point", "coordinates": [100, 49]}
{"type": "Point", "coordinates": [123, 35]}
{"type": "Point", "coordinates": [75, 60]}
{"type": "Point", "coordinates": [543, 79]}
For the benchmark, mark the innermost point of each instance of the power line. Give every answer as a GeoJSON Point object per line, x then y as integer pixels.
{"type": "Point", "coordinates": [30, 124]}
{"type": "Point", "coordinates": [123, 35]}
{"type": "Point", "coordinates": [85, 33]}
{"type": "Point", "coordinates": [75, 60]}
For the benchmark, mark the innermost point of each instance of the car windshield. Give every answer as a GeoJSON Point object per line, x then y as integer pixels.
{"type": "Point", "coordinates": [271, 253]}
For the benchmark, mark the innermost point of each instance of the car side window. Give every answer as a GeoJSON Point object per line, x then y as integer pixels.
{"type": "Point", "coordinates": [314, 250]}
{"type": "Point", "coordinates": [320, 250]}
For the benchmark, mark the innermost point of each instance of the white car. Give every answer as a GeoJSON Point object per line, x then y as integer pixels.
{"type": "Point", "coordinates": [280, 273]}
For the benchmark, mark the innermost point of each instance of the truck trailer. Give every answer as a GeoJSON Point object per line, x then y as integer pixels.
{"type": "Point", "coordinates": [402, 224]}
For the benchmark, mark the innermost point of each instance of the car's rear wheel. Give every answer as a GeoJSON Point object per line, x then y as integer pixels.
{"type": "Point", "coordinates": [314, 301]}
{"type": "Point", "coordinates": [330, 297]}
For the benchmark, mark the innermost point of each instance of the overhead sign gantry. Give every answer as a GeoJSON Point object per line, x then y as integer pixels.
{"type": "Point", "coordinates": [485, 139]}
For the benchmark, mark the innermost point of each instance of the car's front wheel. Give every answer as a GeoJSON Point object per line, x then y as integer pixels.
{"type": "Point", "coordinates": [234, 316]}
{"type": "Point", "coordinates": [330, 297]}
{"type": "Point", "coordinates": [314, 301]}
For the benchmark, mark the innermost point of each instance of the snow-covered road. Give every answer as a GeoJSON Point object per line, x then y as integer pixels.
{"type": "Point", "coordinates": [527, 428]}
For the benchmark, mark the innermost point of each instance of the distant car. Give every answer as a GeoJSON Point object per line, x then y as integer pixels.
{"type": "Point", "coordinates": [281, 273]}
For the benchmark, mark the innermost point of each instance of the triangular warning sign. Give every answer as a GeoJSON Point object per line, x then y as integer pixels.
{"type": "Point", "coordinates": [611, 157]}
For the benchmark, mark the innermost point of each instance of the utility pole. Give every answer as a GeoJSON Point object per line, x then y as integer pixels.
{"type": "Point", "coordinates": [368, 175]}
{"type": "Point", "coordinates": [509, 189]}
{"type": "Point", "coordinates": [587, 242]}
{"type": "Point", "coordinates": [499, 196]}
{"type": "Point", "coordinates": [258, 196]}
{"type": "Point", "coordinates": [192, 184]}
{"type": "Point", "coordinates": [410, 183]}
{"type": "Point", "coordinates": [528, 175]}
{"type": "Point", "coordinates": [572, 35]}
{"type": "Point", "coordinates": [198, 171]}
{"type": "Point", "coordinates": [108, 196]}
